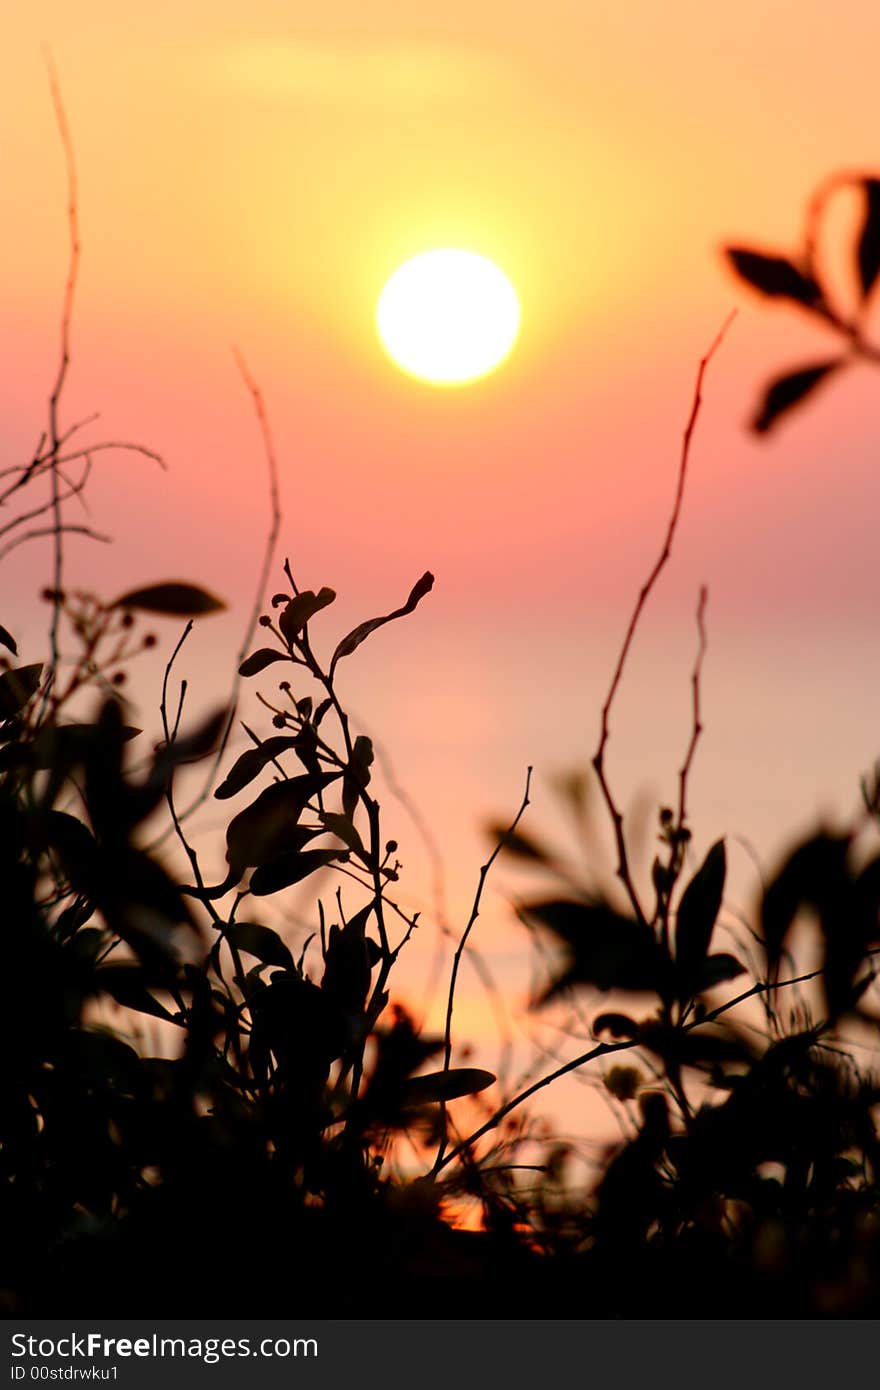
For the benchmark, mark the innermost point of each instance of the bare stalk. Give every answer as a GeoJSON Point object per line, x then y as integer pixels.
{"type": "Point", "coordinates": [623, 868]}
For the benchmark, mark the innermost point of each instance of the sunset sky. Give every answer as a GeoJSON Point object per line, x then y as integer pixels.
{"type": "Point", "coordinates": [252, 175]}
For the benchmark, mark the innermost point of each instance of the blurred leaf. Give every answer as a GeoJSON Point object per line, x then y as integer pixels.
{"type": "Point", "coordinates": [445, 1085]}
{"type": "Point", "coordinates": [717, 969]}
{"type": "Point", "coordinates": [815, 876]}
{"type": "Point", "coordinates": [352, 641]}
{"type": "Point", "coordinates": [790, 390]}
{"type": "Point", "coordinates": [8, 641]}
{"type": "Point", "coordinates": [259, 660]}
{"type": "Point", "coordinates": [301, 609]}
{"type": "Point", "coordinates": [618, 1025]}
{"type": "Point", "coordinates": [287, 869]}
{"type": "Point", "coordinates": [259, 941]}
{"type": "Point", "coordinates": [174, 598]}
{"type": "Point", "coordinates": [603, 949]}
{"type": "Point", "coordinates": [697, 913]}
{"type": "Point", "coordinates": [17, 687]}
{"type": "Point", "coordinates": [868, 250]}
{"type": "Point", "coordinates": [188, 748]}
{"type": "Point", "coordinates": [517, 843]}
{"type": "Point", "coordinates": [251, 763]}
{"type": "Point", "coordinates": [65, 745]}
{"type": "Point", "coordinates": [125, 983]}
{"type": "Point", "coordinates": [774, 276]}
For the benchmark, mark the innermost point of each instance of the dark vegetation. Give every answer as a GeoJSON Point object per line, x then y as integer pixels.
{"type": "Point", "coordinates": [249, 1164]}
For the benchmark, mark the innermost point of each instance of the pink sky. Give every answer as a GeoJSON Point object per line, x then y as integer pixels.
{"type": "Point", "coordinates": [252, 177]}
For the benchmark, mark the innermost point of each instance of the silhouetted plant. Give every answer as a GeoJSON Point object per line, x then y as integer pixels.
{"type": "Point", "coordinates": [228, 1142]}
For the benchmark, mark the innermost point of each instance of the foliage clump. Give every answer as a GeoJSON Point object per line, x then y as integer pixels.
{"type": "Point", "coordinates": [199, 1116]}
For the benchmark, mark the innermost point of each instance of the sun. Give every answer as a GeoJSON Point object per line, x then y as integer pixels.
{"type": "Point", "coordinates": [448, 316]}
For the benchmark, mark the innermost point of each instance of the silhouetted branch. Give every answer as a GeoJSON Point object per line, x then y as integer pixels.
{"type": "Point", "coordinates": [265, 568]}
{"type": "Point", "coordinates": [61, 377]}
{"type": "Point", "coordinates": [56, 529]}
{"type": "Point", "coordinates": [460, 948]}
{"type": "Point", "coordinates": [623, 869]}
{"type": "Point", "coordinates": [697, 726]}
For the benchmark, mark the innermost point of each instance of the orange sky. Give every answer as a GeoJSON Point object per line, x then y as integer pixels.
{"type": "Point", "coordinates": [252, 174]}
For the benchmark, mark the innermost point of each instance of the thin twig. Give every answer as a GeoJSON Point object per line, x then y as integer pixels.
{"type": "Point", "coordinates": [64, 362]}
{"type": "Point", "coordinates": [265, 569]}
{"type": "Point", "coordinates": [460, 949]}
{"type": "Point", "coordinates": [697, 725]}
{"type": "Point", "coordinates": [623, 869]}
{"type": "Point", "coordinates": [56, 529]}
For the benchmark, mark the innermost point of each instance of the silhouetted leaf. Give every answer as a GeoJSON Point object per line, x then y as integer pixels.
{"type": "Point", "coordinates": [302, 609]}
{"type": "Point", "coordinates": [697, 914]}
{"type": "Point", "coordinates": [352, 641]}
{"type": "Point", "coordinates": [259, 941]}
{"type": "Point", "coordinates": [189, 748]}
{"type": "Point", "coordinates": [287, 869]}
{"type": "Point", "coordinates": [868, 250]}
{"type": "Point", "coordinates": [125, 983]}
{"type": "Point", "coordinates": [259, 660]}
{"type": "Point", "coordinates": [775, 276]}
{"type": "Point", "coordinates": [517, 843]}
{"type": "Point", "coordinates": [66, 745]}
{"type": "Point", "coordinates": [815, 876]}
{"type": "Point", "coordinates": [618, 1025]}
{"type": "Point", "coordinates": [717, 969]}
{"type": "Point", "coordinates": [344, 829]}
{"type": "Point", "coordinates": [17, 687]}
{"type": "Point", "coordinates": [788, 391]}
{"type": "Point", "coordinates": [321, 710]}
{"type": "Point", "coordinates": [269, 826]}
{"type": "Point", "coordinates": [175, 598]}
{"type": "Point", "coordinates": [348, 963]}
{"type": "Point", "coordinates": [603, 949]}
{"type": "Point", "coordinates": [8, 641]}
{"type": "Point", "coordinates": [357, 774]}
{"type": "Point", "coordinates": [445, 1085]}
{"type": "Point", "coordinates": [251, 763]}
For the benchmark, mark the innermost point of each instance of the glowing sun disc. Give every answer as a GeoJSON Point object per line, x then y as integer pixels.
{"type": "Point", "coordinates": [448, 316]}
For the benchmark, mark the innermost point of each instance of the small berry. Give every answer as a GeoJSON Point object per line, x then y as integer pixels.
{"type": "Point", "coordinates": [150, 639]}
{"type": "Point", "coordinates": [279, 721]}
{"type": "Point", "coordinates": [265, 620]}
{"type": "Point", "coordinates": [119, 678]}
{"type": "Point", "coordinates": [391, 847]}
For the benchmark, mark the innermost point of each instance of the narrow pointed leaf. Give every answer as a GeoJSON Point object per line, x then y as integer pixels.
{"type": "Point", "coordinates": [17, 687]}
{"type": "Point", "coordinates": [175, 598]}
{"type": "Point", "coordinates": [446, 1085]}
{"type": "Point", "coordinates": [251, 763]}
{"type": "Point", "coordinates": [353, 640]}
{"type": "Point", "coordinates": [775, 276]}
{"type": "Point", "coordinates": [259, 660]}
{"type": "Point", "coordinates": [787, 391]}
{"type": "Point", "coordinates": [287, 869]}
{"type": "Point", "coordinates": [8, 641]}
{"type": "Point", "coordinates": [125, 984]}
{"type": "Point", "coordinates": [697, 914]}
